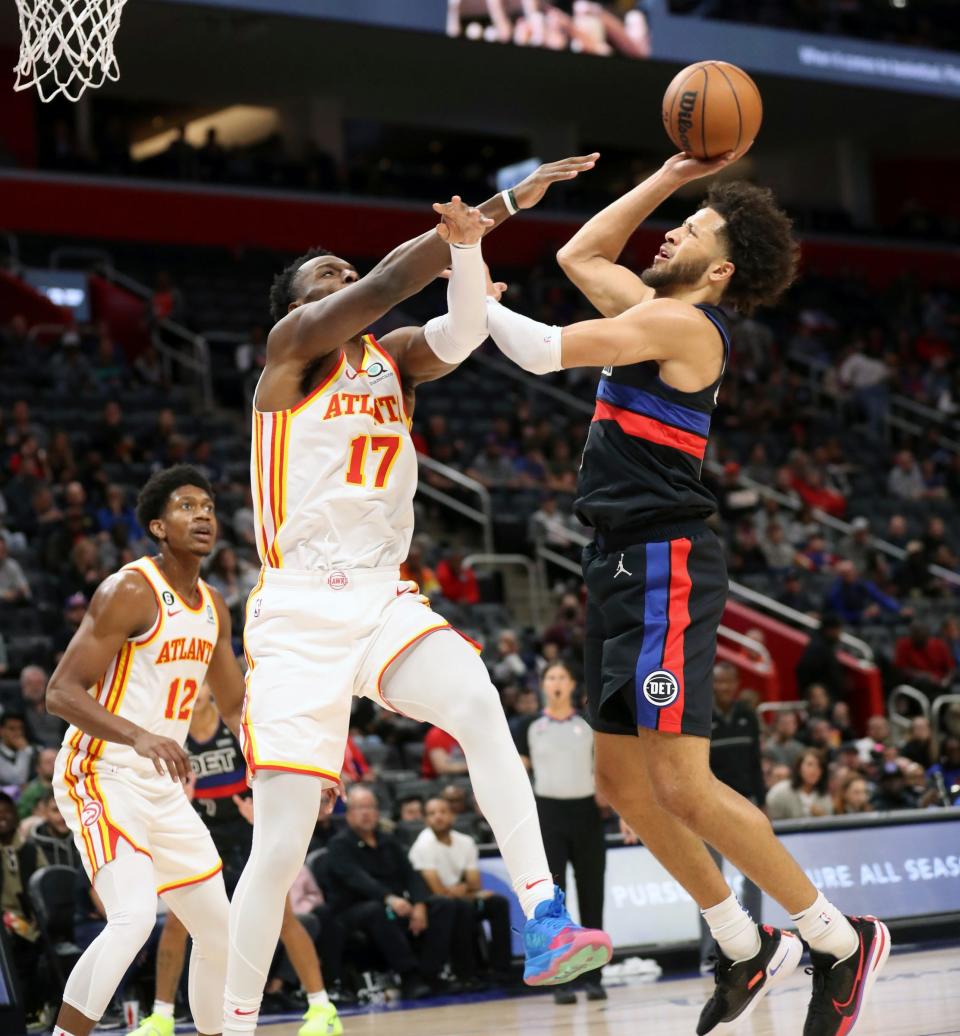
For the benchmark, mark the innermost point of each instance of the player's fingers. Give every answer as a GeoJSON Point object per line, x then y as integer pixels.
{"type": "Point", "coordinates": [444, 231]}
{"type": "Point", "coordinates": [158, 765]}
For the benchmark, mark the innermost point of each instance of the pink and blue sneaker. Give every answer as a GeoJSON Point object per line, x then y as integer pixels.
{"type": "Point", "coordinates": [557, 949]}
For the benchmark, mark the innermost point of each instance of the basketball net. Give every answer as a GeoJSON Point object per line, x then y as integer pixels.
{"type": "Point", "coordinates": [67, 45]}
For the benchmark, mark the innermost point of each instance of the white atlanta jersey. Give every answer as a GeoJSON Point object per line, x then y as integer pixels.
{"type": "Point", "coordinates": [334, 477]}
{"type": "Point", "coordinates": [152, 681]}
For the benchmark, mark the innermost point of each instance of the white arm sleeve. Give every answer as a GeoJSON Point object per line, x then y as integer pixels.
{"type": "Point", "coordinates": [463, 327]}
{"type": "Point", "coordinates": [531, 345]}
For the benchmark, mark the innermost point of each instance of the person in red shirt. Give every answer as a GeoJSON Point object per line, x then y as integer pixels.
{"type": "Point", "coordinates": [442, 755]}
{"type": "Point", "coordinates": [924, 660]}
{"type": "Point", "coordinates": [355, 765]}
{"type": "Point", "coordinates": [458, 584]}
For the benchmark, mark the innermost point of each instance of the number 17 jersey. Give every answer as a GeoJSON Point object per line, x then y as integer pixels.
{"type": "Point", "coordinates": [333, 478]}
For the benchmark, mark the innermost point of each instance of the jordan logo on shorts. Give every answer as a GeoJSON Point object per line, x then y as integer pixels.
{"type": "Point", "coordinates": [621, 571]}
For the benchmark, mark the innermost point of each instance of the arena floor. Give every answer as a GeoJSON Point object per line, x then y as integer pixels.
{"type": "Point", "coordinates": [917, 995]}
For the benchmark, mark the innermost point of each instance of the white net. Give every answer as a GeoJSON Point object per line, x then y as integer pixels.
{"type": "Point", "coordinates": [67, 45]}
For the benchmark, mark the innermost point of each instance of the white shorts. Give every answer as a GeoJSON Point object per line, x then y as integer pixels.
{"type": "Point", "coordinates": [152, 814]}
{"type": "Point", "coordinates": [313, 640]}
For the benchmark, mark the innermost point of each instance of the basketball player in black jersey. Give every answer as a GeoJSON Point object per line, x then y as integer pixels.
{"type": "Point", "coordinates": [657, 580]}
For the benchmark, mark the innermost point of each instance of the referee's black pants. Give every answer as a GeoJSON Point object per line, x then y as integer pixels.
{"type": "Point", "coordinates": [573, 833]}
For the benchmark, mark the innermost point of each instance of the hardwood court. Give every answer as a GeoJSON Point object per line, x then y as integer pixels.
{"type": "Point", "coordinates": [917, 995]}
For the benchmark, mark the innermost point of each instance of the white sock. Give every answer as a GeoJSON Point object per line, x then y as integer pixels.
{"type": "Point", "coordinates": [162, 1008]}
{"type": "Point", "coordinates": [57, 1031]}
{"type": "Point", "coordinates": [734, 929]}
{"type": "Point", "coordinates": [239, 1015]}
{"type": "Point", "coordinates": [532, 890]}
{"type": "Point", "coordinates": [321, 998]}
{"type": "Point", "coordinates": [824, 928]}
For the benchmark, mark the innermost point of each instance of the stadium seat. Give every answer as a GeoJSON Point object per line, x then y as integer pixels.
{"type": "Point", "coordinates": [52, 892]}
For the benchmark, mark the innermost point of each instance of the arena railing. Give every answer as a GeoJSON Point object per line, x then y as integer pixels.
{"type": "Point", "coordinates": [194, 359]}
{"type": "Point", "coordinates": [482, 516]}
{"type": "Point", "coordinates": [535, 589]}
{"type": "Point", "coordinates": [944, 701]}
{"type": "Point", "coordinates": [752, 645]}
{"type": "Point", "coordinates": [774, 708]}
{"type": "Point", "coordinates": [832, 522]}
{"type": "Point", "coordinates": [899, 693]}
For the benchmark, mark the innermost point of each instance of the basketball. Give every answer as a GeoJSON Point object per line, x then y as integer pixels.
{"type": "Point", "coordinates": [711, 108]}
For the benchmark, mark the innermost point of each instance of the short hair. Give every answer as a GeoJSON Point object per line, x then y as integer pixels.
{"type": "Point", "coordinates": [155, 495]}
{"type": "Point", "coordinates": [10, 714]}
{"type": "Point", "coordinates": [282, 291]}
{"type": "Point", "coordinates": [760, 243]}
{"type": "Point", "coordinates": [6, 800]}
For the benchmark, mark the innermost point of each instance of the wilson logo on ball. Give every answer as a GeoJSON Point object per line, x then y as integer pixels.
{"type": "Point", "coordinates": [688, 104]}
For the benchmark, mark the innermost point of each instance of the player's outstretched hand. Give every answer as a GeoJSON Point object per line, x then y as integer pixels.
{"type": "Point", "coordinates": [686, 168]}
{"type": "Point", "coordinates": [460, 224]}
{"type": "Point", "coordinates": [529, 191]}
{"type": "Point", "coordinates": [166, 755]}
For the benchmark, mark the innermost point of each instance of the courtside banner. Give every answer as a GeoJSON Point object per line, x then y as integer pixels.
{"type": "Point", "coordinates": [894, 870]}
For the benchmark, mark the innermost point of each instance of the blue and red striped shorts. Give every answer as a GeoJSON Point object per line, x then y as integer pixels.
{"type": "Point", "coordinates": [652, 615]}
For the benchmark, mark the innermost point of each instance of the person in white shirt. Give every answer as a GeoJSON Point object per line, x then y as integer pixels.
{"type": "Point", "coordinates": [448, 862]}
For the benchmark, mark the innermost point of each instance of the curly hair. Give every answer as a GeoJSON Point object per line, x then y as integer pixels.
{"type": "Point", "coordinates": [760, 243]}
{"type": "Point", "coordinates": [282, 291]}
{"type": "Point", "coordinates": [155, 495]}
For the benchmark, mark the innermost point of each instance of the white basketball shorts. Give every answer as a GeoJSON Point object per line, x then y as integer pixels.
{"type": "Point", "coordinates": [105, 806]}
{"type": "Point", "coordinates": [313, 640]}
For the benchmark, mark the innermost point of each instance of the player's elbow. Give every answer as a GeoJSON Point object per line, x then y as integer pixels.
{"type": "Point", "coordinates": [55, 700]}
{"type": "Point", "coordinates": [567, 258]}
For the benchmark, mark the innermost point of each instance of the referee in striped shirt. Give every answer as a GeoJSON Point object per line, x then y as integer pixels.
{"type": "Point", "coordinates": [557, 746]}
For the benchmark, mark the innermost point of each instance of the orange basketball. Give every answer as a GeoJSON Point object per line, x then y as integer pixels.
{"type": "Point", "coordinates": [711, 108]}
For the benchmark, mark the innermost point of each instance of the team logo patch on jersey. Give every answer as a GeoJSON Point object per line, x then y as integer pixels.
{"type": "Point", "coordinates": [167, 597]}
{"type": "Point", "coordinates": [257, 604]}
{"type": "Point", "coordinates": [92, 812]}
{"type": "Point", "coordinates": [661, 688]}
{"type": "Point", "coordinates": [210, 617]}
{"type": "Point", "coordinates": [338, 580]}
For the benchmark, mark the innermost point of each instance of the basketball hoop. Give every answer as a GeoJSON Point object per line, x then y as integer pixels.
{"type": "Point", "coordinates": [67, 45]}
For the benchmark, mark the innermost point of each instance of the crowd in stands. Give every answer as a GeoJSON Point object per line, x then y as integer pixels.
{"type": "Point", "coordinates": [933, 24]}
{"type": "Point", "coordinates": [70, 467]}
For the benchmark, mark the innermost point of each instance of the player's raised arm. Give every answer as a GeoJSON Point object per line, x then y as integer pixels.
{"type": "Point", "coordinates": [223, 674]}
{"type": "Point", "coordinates": [316, 328]}
{"type": "Point", "coordinates": [124, 606]}
{"type": "Point", "coordinates": [590, 257]}
{"type": "Point", "coordinates": [660, 330]}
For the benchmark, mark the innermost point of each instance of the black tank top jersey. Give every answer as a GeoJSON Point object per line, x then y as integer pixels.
{"type": "Point", "coordinates": [641, 465]}
{"type": "Point", "coordinates": [221, 774]}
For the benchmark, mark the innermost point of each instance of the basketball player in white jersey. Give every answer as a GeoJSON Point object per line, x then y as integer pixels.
{"type": "Point", "coordinates": [334, 473]}
{"type": "Point", "coordinates": [127, 682]}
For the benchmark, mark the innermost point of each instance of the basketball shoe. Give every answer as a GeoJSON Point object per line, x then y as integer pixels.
{"type": "Point", "coordinates": [154, 1025]}
{"type": "Point", "coordinates": [742, 984]}
{"type": "Point", "coordinates": [842, 987]}
{"type": "Point", "coordinates": [321, 1020]}
{"type": "Point", "coordinates": [557, 949]}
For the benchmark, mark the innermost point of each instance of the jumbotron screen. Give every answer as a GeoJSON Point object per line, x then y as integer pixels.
{"type": "Point", "coordinates": [643, 30]}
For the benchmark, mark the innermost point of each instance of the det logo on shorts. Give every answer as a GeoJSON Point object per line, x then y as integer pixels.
{"type": "Point", "coordinates": [92, 812]}
{"type": "Point", "coordinates": [661, 688]}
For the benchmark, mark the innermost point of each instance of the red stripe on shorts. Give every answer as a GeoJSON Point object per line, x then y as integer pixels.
{"type": "Point", "coordinates": [678, 619]}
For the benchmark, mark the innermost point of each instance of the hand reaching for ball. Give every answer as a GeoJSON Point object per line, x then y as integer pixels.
{"type": "Point", "coordinates": [685, 167]}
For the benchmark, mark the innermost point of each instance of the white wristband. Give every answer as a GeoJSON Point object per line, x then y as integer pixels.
{"type": "Point", "coordinates": [508, 201]}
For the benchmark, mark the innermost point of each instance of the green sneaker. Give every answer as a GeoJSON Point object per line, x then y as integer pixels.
{"type": "Point", "coordinates": [321, 1020]}
{"type": "Point", "coordinates": [154, 1025]}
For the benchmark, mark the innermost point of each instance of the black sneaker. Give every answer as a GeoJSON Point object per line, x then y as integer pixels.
{"type": "Point", "coordinates": [842, 987]}
{"type": "Point", "coordinates": [594, 990]}
{"type": "Point", "coordinates": [564, 995]}
{"type": "Point", "coordinates": [742, 985]}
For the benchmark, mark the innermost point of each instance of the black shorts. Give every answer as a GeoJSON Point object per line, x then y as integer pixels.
{"type": "Point", "coordinates": [652, 615]}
